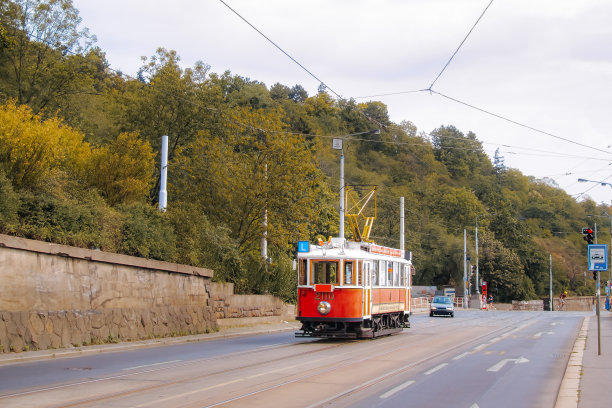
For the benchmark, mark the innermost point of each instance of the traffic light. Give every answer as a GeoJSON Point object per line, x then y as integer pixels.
{"type": "Point", "coordinates": [594, 275]}
{"type": "Point", "coordinates": [588, 235]}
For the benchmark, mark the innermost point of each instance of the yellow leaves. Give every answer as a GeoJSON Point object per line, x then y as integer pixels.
{"type": "Point", "coordinates": [31, 147]}
{"type": "Point", "coordinates": [123, 170]}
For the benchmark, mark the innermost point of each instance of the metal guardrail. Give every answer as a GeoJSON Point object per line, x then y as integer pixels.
{"type": "Point", "coordinates": [421, 304]}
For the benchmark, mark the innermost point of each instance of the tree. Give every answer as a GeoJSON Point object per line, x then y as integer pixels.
{"type": "Point", "coordinates": [31, 148]}
{"type": "Point", "coordinates": [43, 61]}
{"type": "Point", "coordinates": [244, 171]}
{"type": "Point", "coordinates": [501, 268]}
{"type": "Point", "coordinates": [298, 94]}
{"type": "Point", "coordinates": [462, 155]}
{"type": "Point", "coordinates": [280, 92]}
{"type": "Point", "coordinates": [122, 170]}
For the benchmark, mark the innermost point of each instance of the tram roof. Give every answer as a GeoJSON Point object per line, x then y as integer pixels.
{"type": "Point", "coordinates": [340, 248]}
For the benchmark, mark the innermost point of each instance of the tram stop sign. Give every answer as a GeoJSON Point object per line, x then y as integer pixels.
{"type": "Point", "coordinates": [598, 257]}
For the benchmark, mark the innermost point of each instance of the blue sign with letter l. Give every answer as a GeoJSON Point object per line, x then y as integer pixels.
{"type": "Point", "coordinates": [303, 246]}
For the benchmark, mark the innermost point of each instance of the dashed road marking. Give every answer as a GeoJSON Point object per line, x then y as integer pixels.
{"type": "Point", "coordinates": [397, 389]}
{"type": "Point", "coordinates": [436, 368]}
{"type": "Point", "coordinates": [150, 365]}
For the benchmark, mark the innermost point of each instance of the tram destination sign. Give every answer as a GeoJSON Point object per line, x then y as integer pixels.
{"type": "Point", "coordinates": [598, 257]}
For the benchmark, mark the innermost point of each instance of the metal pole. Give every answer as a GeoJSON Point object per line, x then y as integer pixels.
{"type": "Point", "coordinates": [477, 281]}
{"type": "Point", "coordinates": [163, 193]}
{"type": "Point", "coordinates": [597, 286]}
{"type": "Point", "coordinates": [342, 192]}
{"type": "Point", "coordinates": [465, 268]}
{"type": "Point", "coordinates": [552, 307]}
{"type": "Point", "coordinates": [402, 240]}
{"type": "Point", "coordinates": [264, 227]}
{"type": "Point", "coordinates": [598, 318]}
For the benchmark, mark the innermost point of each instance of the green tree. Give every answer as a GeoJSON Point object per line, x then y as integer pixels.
{"type": "Point", "coordinates": [43, 62]}
{"type": "Point", "coordinates": [503, 271]}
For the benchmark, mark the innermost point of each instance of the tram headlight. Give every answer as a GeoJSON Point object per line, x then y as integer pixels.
{"type": "Point", "coordinates": [324, 308]}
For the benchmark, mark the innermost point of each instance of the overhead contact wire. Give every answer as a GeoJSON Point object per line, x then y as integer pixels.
{"type": "Point", "coordinates": [460, 45]}
{"type": "Point", "coordinates": [280, 49]}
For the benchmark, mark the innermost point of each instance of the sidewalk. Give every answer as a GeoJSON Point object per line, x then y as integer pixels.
{"type": "Point", "coordinates": [596, 380]}
{"type": "Point", "coordinates": [587, 381]}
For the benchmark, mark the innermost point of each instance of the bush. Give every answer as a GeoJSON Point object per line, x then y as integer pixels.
{"type": "Point", "coordinates": [9, 206]}
{"type": "Point", "coordinates": [148, 233]}
{"type": "Point", "coordinates": [204, 244]}
{"type": "Point", "coordinates": [83, 220]}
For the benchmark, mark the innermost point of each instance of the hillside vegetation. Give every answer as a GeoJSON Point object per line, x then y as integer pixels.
{"type": "Point", "coordinates": [79, 165]}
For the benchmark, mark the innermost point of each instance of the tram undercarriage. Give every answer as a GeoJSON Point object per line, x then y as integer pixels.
{"type": "Point", "coordinates": [379, 325]}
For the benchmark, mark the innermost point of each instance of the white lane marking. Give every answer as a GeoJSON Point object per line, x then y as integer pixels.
{"type": "Point", "coordinates": [478, 348]}
{"type": "Point", "coordinates": [436, 368]}
{"type": "Point", "coordinates": [460, 356]}
{"type": "Point", "coordinates": [185, 394]}
{"type": "Point", "coordinates": [397, 389]}
{"type": "Point", "coordinates": [496, 367]}
{"type": "Point", "coordinates": [150, 365]}
{"type": "Point", "coordinates": [539, 334]}
{"type": "Point", "coordinates": [474, 406]}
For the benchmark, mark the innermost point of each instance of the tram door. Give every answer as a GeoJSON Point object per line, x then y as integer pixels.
{"type": "Point", "coordinates": [367, 287]}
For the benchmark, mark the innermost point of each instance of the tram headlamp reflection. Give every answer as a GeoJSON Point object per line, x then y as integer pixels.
{"type": "Point", "coordinates": [324, 308]}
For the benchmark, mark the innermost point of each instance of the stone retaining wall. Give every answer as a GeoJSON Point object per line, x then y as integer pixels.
{"type": "Point", "coordinates": [530, 305]}
{"type": "Point", "coordinates": [55, 296]}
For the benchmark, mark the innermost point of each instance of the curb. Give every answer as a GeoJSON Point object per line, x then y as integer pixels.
{"type": "Point", "coordinates": [26, 357]}
{"type": "Point", "coordinates": [569, 392]}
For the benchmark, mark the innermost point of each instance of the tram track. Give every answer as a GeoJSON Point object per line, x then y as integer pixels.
{"type": "Point", "coordinates": [157, 369]}
{"type": "Point", "coordinates": [379, 379]}
{"type": "Point", "coordinates": [264, 359]}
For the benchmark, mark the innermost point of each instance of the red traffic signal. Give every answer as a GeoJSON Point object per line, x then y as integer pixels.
{"type": "Point", "coordinates": [588, 235]}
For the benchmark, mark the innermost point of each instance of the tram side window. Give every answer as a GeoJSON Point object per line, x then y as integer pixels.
{"type": "Point", "coordinates": [396, 274]}
{"type": "Point", "coordinates": [302, 272]}
{"type": "Point", "coordinates": [382, 273]}
{"type": "Point", "coordinates": [402, 275]}
{"type": "Point", "coordinates": [348, 273]}
{"type": "Point", "coordinates": [375, 274]}
{"type": "Point", "coordinates": [325, 272]}
{"type": "Point", "coordinates": [359, 272]}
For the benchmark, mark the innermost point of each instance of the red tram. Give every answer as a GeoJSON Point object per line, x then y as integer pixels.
{"type": "Point", "coordinates": [352, 289]}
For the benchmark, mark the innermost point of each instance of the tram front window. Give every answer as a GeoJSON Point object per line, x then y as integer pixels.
{"type": "Point", "coordinates": [325, 272]}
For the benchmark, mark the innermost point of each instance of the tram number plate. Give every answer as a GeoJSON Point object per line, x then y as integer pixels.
{"type": "Point", "coordinates": [324, 296]}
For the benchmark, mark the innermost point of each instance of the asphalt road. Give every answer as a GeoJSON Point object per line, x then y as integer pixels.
{"type": "Point", "coordinates": [477, 359]}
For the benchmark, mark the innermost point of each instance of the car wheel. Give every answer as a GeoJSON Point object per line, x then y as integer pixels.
{"type": "Point", "coordinates": [452, 315]}
{"type": "Point", "coordinates": [430, 314]}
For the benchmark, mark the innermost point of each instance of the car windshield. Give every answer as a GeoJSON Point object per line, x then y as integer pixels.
{"type": "Point", "coordinates": [442, 300]}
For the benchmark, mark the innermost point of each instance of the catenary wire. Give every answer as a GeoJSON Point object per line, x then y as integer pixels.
{"type": "Point", "coordinates": [430, 87]}
{"type": "Point", "coordinates": [518, 123]}
{"type": "Point", "coordinates": [249, 126]}
{"type": "Point", "coordinates": [279, 48]}
{"type": "Point", "coordinates": [460, 45]}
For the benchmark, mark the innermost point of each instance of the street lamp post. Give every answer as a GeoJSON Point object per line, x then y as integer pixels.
{"type": "Point", "coordinates": [337, 143]}
{"type": "Point", "coordinates": [476, 235]}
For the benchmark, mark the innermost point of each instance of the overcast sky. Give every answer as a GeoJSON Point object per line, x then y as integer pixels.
{"type": "Point", "coordinates": [546, 64]}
